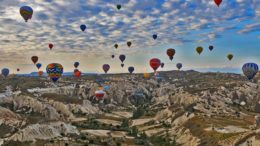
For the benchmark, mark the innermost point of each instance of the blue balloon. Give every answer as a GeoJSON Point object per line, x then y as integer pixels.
{"type": "Point", "coordinates": [76, 64]}
{"type": "Point", "coordinates": [250, 70]}
{"type": "Point", "coordinates": [38, 65]}
{"type": "Point", "coordinates": [107, 87]}
{"type": "Point", "coordinates": [155, 36]}
{"type": "Point", "coordinates": [5, 72]}
{"type": "Point", "coordinates": [83, 27]}
{"type": "Point", "coordinates": [131, 69]}
{"type": "Point", "coordinates": [179, 65]}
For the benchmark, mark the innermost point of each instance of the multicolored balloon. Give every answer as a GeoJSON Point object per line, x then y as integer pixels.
{"type": "Point", "coordinates": [250, 70]}
{"type": "Point", "coordinates": [54, 71]}
{"type": "Point", "coordinates": [38, 65]}
{"type": "Point", "coordinates": [131, 69]}
{"type": "Point", "coordinates": [76, 64]}
{"type": "Point", "coordinates": [106, 67]}
{"type": "Point", "coordinates": [5, 72]}
{"type": "Point", "coordinates": [155, 63]}
{"type": "Point", "coordinates": [179, 66]}
{"type": "Point", "coordinates": [26, 12]}
{"type": "Point", "coordinates": [170, 52]}
{"type": "Point", "coordinates": [199, 50]}
{"type": "Point", "coordinates": [34, 59]}
{"type": "Point", "coordinates": [83, 27]}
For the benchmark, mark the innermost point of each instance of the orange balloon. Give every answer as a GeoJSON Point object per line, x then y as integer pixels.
{"type": "Point", "coordinates": [40, 73]}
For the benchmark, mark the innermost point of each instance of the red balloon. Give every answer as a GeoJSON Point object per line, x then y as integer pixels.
{"type": "Point", "coordinates": [99, 94]}
{"type": "Point", "coordinates": [77, 74]}
{"type": "Point", "coordinates": [155, 63]}
{"type": "Point", "coordinates": [218, 2]}
{"type": "Point", "coordinates": [50, 46]}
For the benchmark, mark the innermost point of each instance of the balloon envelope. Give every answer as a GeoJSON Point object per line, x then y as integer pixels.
{"type": "Point", "coordinates": [118, 7]}
{"type": "Point", "coordinates": [26, 12]}
{"type": "Point", "coordinates": [77, 74]}
{"type": "Point", "coordinates": [199, 50]}
{"type": "Point", "coordinates": [179, 65]}
{"type": "Point", "coordinates": [34, 59]}
{"type": "Point", "coordinates": [131, 69]}
{"type": "Point", "coordinates": [17, 69]}
{"type": "Point", "coordinates": [250, 70]}
{"type": "Point", "coordinates": [54, 71]}
{"type": "Point", "coordinates": [116, 46]}
{"type": "Point", "coordinates": [99, 94]}
{"type": "Point", "coordinates": [218, 2]}
{"type": "Point", "coordinates": [106, 67]}
{"type": "Point", "coordinates": [129, 44]}
{"type": "Point", "coordinates": [50, 46]}
{"type": "Point", "coordinates": [38, 65]}
{"type": "Point", "coordinates": [162, 65]}
{"type": "Point", "coordinates": [5, 72]}
{"type": "Point", "coordinates": [230, 56]}
{"type": "Point", "coordinates": [211, 48]}
{"type": "Point", "coordinates": [155, 36]}
{"type": "Point", "coordinates": [83, 27]}
{"type": "Point", "coordinates": [76, 64]}
{"type": "Point", "coordinates": [40, 73]}
{"type": "Point", "coordinates": [122, 58]}
{"type": "Point", "coordinates": [155, 63]}
{"type": "Point", "coordinates": [170, 52]}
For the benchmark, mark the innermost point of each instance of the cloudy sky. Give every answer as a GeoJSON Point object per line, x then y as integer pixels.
{"type": "Point", "coordinates": [234, 27]}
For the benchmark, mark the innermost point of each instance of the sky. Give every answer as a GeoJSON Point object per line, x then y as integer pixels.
{"type": "Point", "coordinates": [234, 28]}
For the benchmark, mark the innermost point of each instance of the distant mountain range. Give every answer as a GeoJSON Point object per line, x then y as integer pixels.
{"type": "Point", "coordinates": [35, 74]}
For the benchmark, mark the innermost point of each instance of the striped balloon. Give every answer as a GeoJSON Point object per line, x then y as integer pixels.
{"type": "Point", "coordinates": [26, 12]}
{"type": "Point", "coordinates": [250, 70]}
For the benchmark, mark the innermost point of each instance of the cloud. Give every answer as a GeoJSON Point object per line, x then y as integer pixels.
{"type": "Point", "coordinates": [250, 28]}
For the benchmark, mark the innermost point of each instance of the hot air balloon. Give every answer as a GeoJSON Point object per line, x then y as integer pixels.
{"type": "Point", "coordinates": [155, 36]}
{"type": "Point", "coordinates": [116, 46]}
{"type": "Point", "coordinates": [211, 48]}
{"type": "Point", "coordinates": [170, 52]}
{"type": "Point", "coordinates": [218, 2]}
{"type": "Point", "coordinates": [230, 57]}
{"type": "Point", "coordinates": [38, 65]}
{"type": "Point", "coordinates": [155, 63]}
{"type": "Point", "coordinates": [76, 64]}
{"type": "Point", "coordinates": [83, 27]}
{"type": "Point", "coordinates": [131, 69]}
{"type": "Point", "coordinates": [40, 73]}
{"type": "Point", "coordinates": [179, 65]}
{"type": "Point", "coordinates": [122, 58]}
{"type": "Point", "coordinates": [129, 44]}
{"type": "Point", "coordinates": [34, 59]}
{"type": "Point", "coordinates": [162, 65]}
{"type": "Point", "coordinates": [5, 72]}
{"type": "Point", "coordinates": [100, 94]}
{"type": "Point", "coordinates": [118, 7]}
{"type": "Point", "coordinates": [17, 69]}
{"type": "Point", "coordinates": [250, 70]}
{"type": "Point", "coordinates": [50, 46]}
{"type": "Point", "coordinates": [122, 65]}
{"type": "Point", "coordinates": [199, 50]}
{"type": "Point", "coordinates": [26, 12]}
{"type": "Point", "coordinates": [146, 75]}
{"type": "Point", "coordinates": [75, 70]}
{"type": "Point", "coordinates": [106, 67]}
{"type": "Point", "coordinates": [77, 74]}
{"type": "Point", "coordinates": [54, 71]}
{"type": "Point", "coordinates": [113, 56]}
